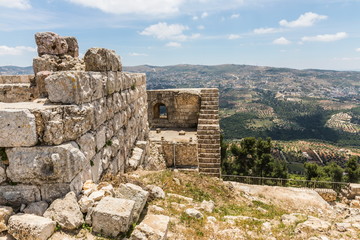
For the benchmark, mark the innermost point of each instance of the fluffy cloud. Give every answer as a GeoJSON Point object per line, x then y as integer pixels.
{"type": "Point", "coordinates": [19, 50]}
{"type": "Point", "coordinates": [357, 50]}
{"type": "Point", "coordinates": [235, 16]}
{"type": "Point", "coordinates": [19, 4]}
{"type": "Point", "coordinates": [204, 15]}
{"type": "Point", "coordinates": [134, 54]}
{"type": "Point", "coordinates": [173, 44]}
{"type": "Point", "coordinates": [281, 41]}
{"type": "Point", "coordinates": [234, 36]}
{"type": "Point", "coordinates": [266, 30]}
{"type": "Point", "coordinates": [164, 31]}
{"type": "Point", "coordinates": [305, 20]}
{"type": "Point", "coordinates": [153, 7]}
{"type": "Point", "coordinates": [201, 27]}
{"type": "Point", "coordinates": [325, 37]}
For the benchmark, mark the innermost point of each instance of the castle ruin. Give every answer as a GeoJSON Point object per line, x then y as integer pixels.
{"type": "Point", "coordinates": [77, 119]}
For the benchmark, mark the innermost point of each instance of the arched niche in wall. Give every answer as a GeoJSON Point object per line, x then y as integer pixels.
{"type": "Point", "coordinates": [160, 111]}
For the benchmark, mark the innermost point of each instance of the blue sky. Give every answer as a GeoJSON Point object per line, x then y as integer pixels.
{"type": "Point", "coordinates": [322, 34]}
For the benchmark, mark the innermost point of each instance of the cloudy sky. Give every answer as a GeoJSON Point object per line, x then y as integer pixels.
{"type": "Point", "coordinates": [299, 34]}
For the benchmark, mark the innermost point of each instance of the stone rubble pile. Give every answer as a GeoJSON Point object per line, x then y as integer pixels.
{"type": "Point", "coordinates": [109, 211]}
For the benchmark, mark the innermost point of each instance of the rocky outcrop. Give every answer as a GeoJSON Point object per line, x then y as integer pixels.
{"type": "Point", "coordinates": [5, 213]}
{"type": "Point", "coordinates": [50, 43]}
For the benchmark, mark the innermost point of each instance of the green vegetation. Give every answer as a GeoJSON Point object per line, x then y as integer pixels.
{"type": "Point", "coordinates": [252, 157]}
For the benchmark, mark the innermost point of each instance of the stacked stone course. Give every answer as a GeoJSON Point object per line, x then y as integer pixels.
{"type": "Point", "coordinates": [88, 125]}
{"type": "Point", "coordinates": [208, 133]}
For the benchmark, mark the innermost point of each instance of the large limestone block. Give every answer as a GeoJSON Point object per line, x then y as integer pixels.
{"type": "Point", "coordinates": [152, 227]}
{"type": "Point", "coordinates": [5, 213]}
{"type": "Point", "coordinates": [66, 212]}
{"type": "Point", "coordinates": [31, 227]}
{"type": "Point", "coordinates": [133, 192]}
{"type": "Point", "coordinates": [45, 164]}
{"type": "Point", "coordinates": [19, 194]}
{"type": "Point", "coordinates": [50, 43]}
{"type": "Point", "coordinates": [17, 128]}
{"type": "Point", "coordinates": [102, 60]}
{"type": "Point", "coordinates": [36, 208]}
{"type": "Point", "coordinates": [62, 87]}
{"type": "Point", "coordinates": [112, 216]}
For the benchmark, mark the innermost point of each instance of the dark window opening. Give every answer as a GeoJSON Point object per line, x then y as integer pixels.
{"type": "Point", "coordinates": [160, 111]}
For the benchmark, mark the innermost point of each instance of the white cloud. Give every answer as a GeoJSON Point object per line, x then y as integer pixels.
{"type": "Point", "coordinates": [201, 27]}
{"type": "Point", "coordinates": [235, 16]}
{"type": "Point", "coordinates": [305, 20]}
{"type": "Point", "coordinates": [266, 30]}
{"type": "Point", "coordinates": [325, 37]}
{"type": "Point", "coordinates": [348, 59]}
{"type": "Point", "coordinates": [134, 54]}
{"type": "Point", "coordinates": [357, 50]}
{"type": "Point", "coordinates": [19, 4]}
{"type": "Point", "coordinates": [204, 15]}
{"type": "Point", "coordinates": [153, 7]}
{"type": "Point", "coordinates": [234, 36]}
{"type": "Point", "coordinates": [195, 18]}
{"type": "Point", "coordinates": [281, 41]}
{"type": "Point", "coordinates": [163, 31]}
{"type": "Point", "coordinates": [173, 44]}
{"type": "Point", "coordinates": [19, 50]}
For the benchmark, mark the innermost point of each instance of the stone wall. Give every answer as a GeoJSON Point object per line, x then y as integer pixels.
{"type": "Point", "coordinates": [91, 123]}
{"type": "Point", "coordinates": [15, 88]}
{"type": "Point", "coordinates": [185, 154]}
{"type": "Point", "coordinates": [182, 107]}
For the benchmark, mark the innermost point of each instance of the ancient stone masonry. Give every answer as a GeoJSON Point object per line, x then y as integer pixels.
{"type": "Point", "coordinates": [185, 122]}
{"type": "Point", "coordinates": [71, 125]}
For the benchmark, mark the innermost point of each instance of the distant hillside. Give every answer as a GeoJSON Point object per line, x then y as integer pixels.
{"type": "Point", "coordinates": [14, 70]}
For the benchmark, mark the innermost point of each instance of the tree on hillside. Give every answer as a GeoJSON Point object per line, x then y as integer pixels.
{"type": "Point", "coordinates": [279, 169]}
{"type": "Point", "coordinates": [334, 172]}
{"type": "Point", "coordinates": [312, 170]}
{"type": "Point", "coordinates": [352, 169]}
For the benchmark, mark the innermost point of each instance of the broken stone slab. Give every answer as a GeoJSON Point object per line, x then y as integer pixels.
{"type": "Point", "coordinates": [50, 43]}
{"type": "Point", "coordinates": [133, 192]}
{"type": "Point", "coordinates": [207, 206]}
{"type": "Point", "coordinates": [5, 213]}
{"type": "Point", "coordinates": [17, 128]}
{"type": "Point", "coordinates": [30, 227]}
{"type": "Point", "coordinates": [292, 218]}
{"type": "Point", "coordinates": [45, 164]}
{"type": "Point", "coordinates": [66, 212]}
{"type": "Point", "coordinates": [112, 216]}
{"type": "Point", "coordinates": [152, 227]}
{"type": "Point", "coordinates": [102, 60]}
{"type": "Point", "coordinates": [15, 195]}
{"type": "Point", "coordinates": [36, 208]}
{"type": "Point", "coordinates": [85, 203]}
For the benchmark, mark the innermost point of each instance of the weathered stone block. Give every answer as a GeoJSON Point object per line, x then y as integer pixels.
{"type": "Point", "coordinates": [66, 212]}
{"type": "Point", "coordinates": [31, 227]}
{"type": "Point", "coordinates": [100, 112]}
{"type": "Point", "coordinates": [152, 227]}
{"type": "Point", "coordinates": [87, 145]}
{"type": "Point", "coordinates": [73, 46]}
{"type": "Point", "coordinates": [112, 216]}
{"type": "Point", "coordinates": [17, 128]}
{"type": "Point", "coordinates": [5, 213]}
{"type": "Point", "coordinates": [44, 164]}
{"type": "Point", "coordinates": [52, 191]}
{"type": "Point", "coordinates": [19, 194]}
{"type": "Point", "coordinates": [102, 60]}
{"type": "Point", "coordinates": [36, 208]}
{"type": "Point", "coordinates": [2, 172]}
{"type": "Point", "coordinates": [50, 43]}
{"type": "Point", "coordinates": [62, 87]}
{"type": "Point", "coordinates": [135, 193]}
